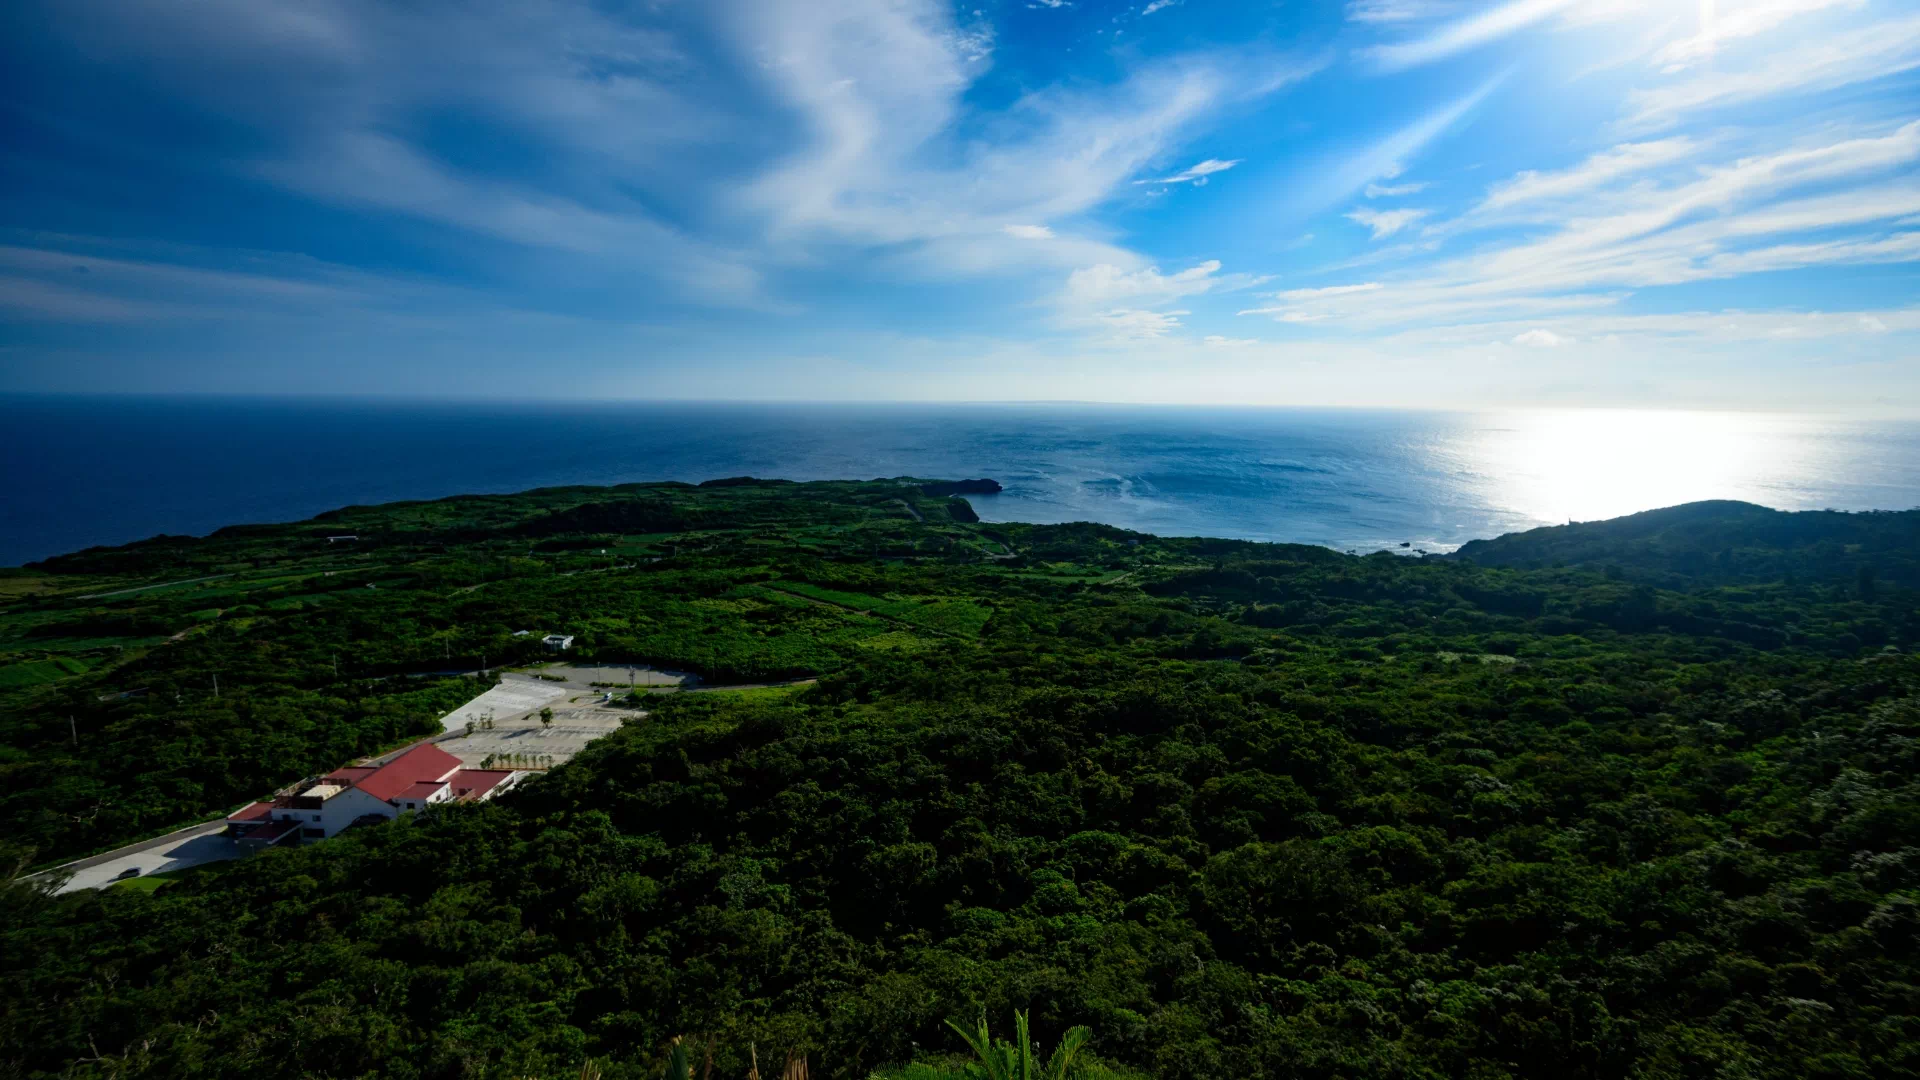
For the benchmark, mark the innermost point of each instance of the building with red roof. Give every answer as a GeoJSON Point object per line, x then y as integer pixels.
{"type": "Point", "coordinates": [422, 777]}
{"type": "Point", "coordinates": [266, 835]}
{"type": "Point", "coordinates": [250, 814]}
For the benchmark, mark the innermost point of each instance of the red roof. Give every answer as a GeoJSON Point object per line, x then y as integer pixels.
{"type": "Point", "coordinates": [425, 762]}
{"type": "Point", "coordinates": [475, 783]}
{"type": "Point", "coordinates": [251, 812]}
{"type": "Point", "coordinates": [352, 774]}
{"type": "Point", "coordinates": [423, 790]}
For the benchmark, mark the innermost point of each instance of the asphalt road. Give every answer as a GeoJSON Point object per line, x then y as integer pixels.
{"type": "Point", "coordinates": [194, 846]}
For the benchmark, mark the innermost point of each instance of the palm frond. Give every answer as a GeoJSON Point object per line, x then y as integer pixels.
{"type": "Point", "coordinates": [1023, 1045]}
{"type": "Point", "coordinates": [1063, 1055]}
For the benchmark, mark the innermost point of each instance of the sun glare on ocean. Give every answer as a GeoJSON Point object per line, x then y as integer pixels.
{"type": "Point", "coordinates": [1557, 466]}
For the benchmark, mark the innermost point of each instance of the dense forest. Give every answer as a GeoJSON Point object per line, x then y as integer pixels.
{"type": "Point", "coordinates": [1614, 799]}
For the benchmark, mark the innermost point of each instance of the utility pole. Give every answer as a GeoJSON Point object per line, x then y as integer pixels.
{"type": "Point", "coordinates": [74, 730]}
{"type": "Point", "coordinates": [336, 665]}
{"type": "Point", "coordinates": [216, 684]}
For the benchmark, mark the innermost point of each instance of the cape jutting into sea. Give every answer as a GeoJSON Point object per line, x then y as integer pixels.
{"type": "Point", "coordinates": [85, 471]}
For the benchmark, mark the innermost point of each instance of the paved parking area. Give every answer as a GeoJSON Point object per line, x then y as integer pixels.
{"type": "Point", "coordinates": [507, 701]}
{"type": "Point", "coordinates": [525, 741]}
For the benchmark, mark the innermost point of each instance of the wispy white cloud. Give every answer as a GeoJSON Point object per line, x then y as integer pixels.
{"type": "Point", "coordinates": [1157, 5]}
{"type": "Point", "coordinates": [1398, 11]}
{"type": "Point", "coordinates": [735, 151]}
{"type": "Point", "coordinates": [1897, 248]}
{"type": "Point", "coordinates": [1097, 286]}
{"type": "Point", "coordinates": [1716, 28]}
{"type": "Point", "coordinates": [1467, 33]}
{"type": "Point", "coordinates": [1387, 157]}
{"type": "Point", "coordinates": [712, 149]}
{"type": "Point", "coordinates": [1727, 327]}
{"type": "Point", "coordinates": [1311, 305]}
{"type": "Point", "coordinates": [368, 169]}
{"type": "Point", "coordinates": [327, 89]}
{"type": "Point", "coordinates": [94, 280]}
{"type": "Point", "coordinates": [1117, 302]}
{"type": "Point", "coordinates": [1385, 223]}
{"type": "Point", "coordinates": [883, 165]}
{"type": "Point", "coordinates": [1393, 191]}
{"type": "Point", "coordinates": [1139, 323]}
{"type": "Point", "coordinates": [1597, 170]}
{"type": "Point", "coordinates": [1194, 174]}
{"type": "Point", "coordinates": [1825, 63]}
{"type": "Point", "coordinates": [27, 300]}
{"type": "Point", "coordinates": [1763, 213]}
{"type": "Point", "coordinates": [1328, 292]}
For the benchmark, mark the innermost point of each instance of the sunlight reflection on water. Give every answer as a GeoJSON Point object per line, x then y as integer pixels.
{"type": "Point", "coordinates": [88, 471]}
{"type": "Point", "coordinates": [1586, 465]}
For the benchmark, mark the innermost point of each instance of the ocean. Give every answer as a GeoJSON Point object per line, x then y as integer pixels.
{"type": "Point", "coordinates": [82, 471]}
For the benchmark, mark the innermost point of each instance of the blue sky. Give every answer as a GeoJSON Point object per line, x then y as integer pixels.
{"type": "Point", "coordinates": [1382, 202]}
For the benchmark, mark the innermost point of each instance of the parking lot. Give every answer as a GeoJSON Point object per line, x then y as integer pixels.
{"type": "Point", "coordinates": [525, 742]}
{"type": "Point", "coordinates": [508, 733]}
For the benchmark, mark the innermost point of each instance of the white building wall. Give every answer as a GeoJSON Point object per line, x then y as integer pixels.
{"type": "Point", "coordinates": [348, 807]}
{"type": "Point", "coordinates": [513, 779]}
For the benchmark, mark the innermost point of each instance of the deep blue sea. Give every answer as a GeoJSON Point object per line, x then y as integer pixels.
{"type": "Point", "coordinates": [84, 471]}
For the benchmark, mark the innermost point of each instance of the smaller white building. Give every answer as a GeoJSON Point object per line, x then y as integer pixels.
{"type": "Point", "coordinates": [558, 642]}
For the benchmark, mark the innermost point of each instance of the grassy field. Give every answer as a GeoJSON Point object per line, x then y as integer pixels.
{"type": "Point", "coordinates": [148, 883]}
{"type": "Point", "coordinates": [39, 672]}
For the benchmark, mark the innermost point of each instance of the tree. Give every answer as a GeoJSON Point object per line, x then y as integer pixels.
{"type": "Point", "coordinates": [546, 717]}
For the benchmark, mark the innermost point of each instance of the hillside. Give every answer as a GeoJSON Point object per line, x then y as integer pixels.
{"type": "Point", "coordinates": [1241, 809]}
{"type": "Point", "coordinates": [1723, 543]}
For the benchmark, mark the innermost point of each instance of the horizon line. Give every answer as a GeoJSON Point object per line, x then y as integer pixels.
{"type": "Point", "coordinates": [1848, 412]}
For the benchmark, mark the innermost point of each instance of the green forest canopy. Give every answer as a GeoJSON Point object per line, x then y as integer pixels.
{"type": "Point", "coordinates": [1615, 799]}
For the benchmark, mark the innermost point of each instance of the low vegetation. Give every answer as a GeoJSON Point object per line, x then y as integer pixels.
{"type": "Point", "coordinates": [1233, 809]}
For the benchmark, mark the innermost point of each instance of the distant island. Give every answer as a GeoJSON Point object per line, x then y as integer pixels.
{"type": "Point", "coordinates": [803, 771]}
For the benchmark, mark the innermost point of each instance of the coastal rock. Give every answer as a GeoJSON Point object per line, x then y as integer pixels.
{"type": "Point", "coordinates": [961, 487]}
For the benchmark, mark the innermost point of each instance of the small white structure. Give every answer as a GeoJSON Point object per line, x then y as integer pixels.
{"type": "Point", "coordinates": [558, 642]}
